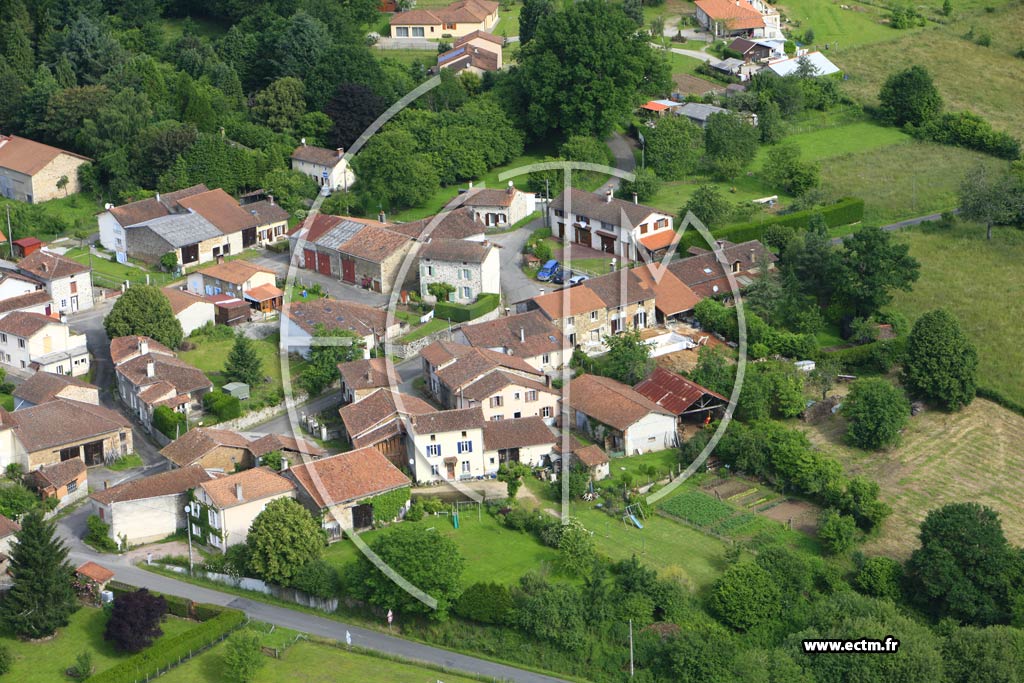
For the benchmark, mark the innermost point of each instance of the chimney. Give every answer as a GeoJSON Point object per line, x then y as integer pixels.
{"type": "Point", "coordinates": [753, 255]}
{"type": "Point", "coordinates": [143, 347]}
{"type": "Point", "coordinates": [522, 335]}
{"type": "Point", "coordinates": [303, 141]}
{"type": "Point", "coordinates": [608, 196]}
{"type": "Point", "coordinates": [341, 152]}
{"type": "Point", "coordinates": [471, 184]}
{"type": "Point", "coordinates": [150, 369]}
{"type": "Point", "coordinates": [382, 217]}
{"type": "Point", "coordinates": [636, 200]}
{"type": "Point", "coordinates": [270, 198]}
{"type": "Point", "coordinates": [238, 492]}
{"type": "Point", "coordinates": [284, 464]}
{"type": "Point", "coordinates": [511, 187]}
{"type": "Point", "coordinates": [220, 258]}
{"type": "Point", "coordinates": [108, 206]}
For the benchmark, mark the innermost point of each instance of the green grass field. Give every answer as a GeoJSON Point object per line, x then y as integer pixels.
{"type": "Point", "coordinates": [111, 273]}
{"type": "Point", "coordinates": [431, 326]}
{"type": "Point", "coordinates": [974, 279]}
{"type": "Point", "coordinates": [427, 58]}
{"type": "Point", "coordinates": [901, 181]}
{"type": "Point", "coordinates": [983, 80]}
{"type": "Point", "coordinates": [492, 552]}
{"type": "Point", "coordinates": [828, 143]}
{"type": "Point", "coordinates": [674, 194]}
{"type": "Point", "coordinates": [77, 210]}
{"type": "Point", "coordinates": [45, 662]}
{"type": "Point", "coordinates": [311, 662]}
{"type": "Point", "coordinates": [832, 24]}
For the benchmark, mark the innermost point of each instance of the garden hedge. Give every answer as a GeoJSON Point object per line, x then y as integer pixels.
{"type": "Point", "coordinates": [843, 212]}
{"type": "Point", "coordinates": [460, 313]}
{"type": "Point", "coordinates": [878, 356]}
{"type": "Point", "coordinates": [170, 651]}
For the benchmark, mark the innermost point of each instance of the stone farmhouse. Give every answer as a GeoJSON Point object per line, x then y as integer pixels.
{"type": "Point", "coordinates": [33, 172]}
{"type": "Point", "coordinates": [614, 226]}
{"type": "Point", "coordinates": [473, 268]}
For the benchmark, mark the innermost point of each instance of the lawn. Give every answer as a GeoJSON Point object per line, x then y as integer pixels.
{"type": "Point", "coordinates": [45, 662]}
{"type": "Point", "coordinates": [311, 662]}
{"type": "Point", "coordinates": [427, 58]}
{"type": "Point", "coordinates": [975, 289]}
{"type": "Point", "coordinates": [859, 25]}
{"type": "Point", "coordinates": [674, 194]}
{"type": "Point", "coordinates": [210, 356]}
{"type": "Point", "coordinates": [430, 327]}
{"type": "Point", "coordinates": [827, 143]}
{"type": "Point", "coordinates": [972, 455]}
{"type": "Point", "coordinates": [492, 552]}
{"type": "Point", "coordinates": [77, 210]}
{"type": "Point", "coordinates": [984, 80]}
{"type": "Point", "coordinates": [111, 273]}
{"type": "Point", "coordinates": [128, 462]}
{"type": "Point", "coordinates": [902, 181]}
{"type": "Point", "coordinates": [532, 155]}
{"type": "Point", "coordinates": [663, 462]}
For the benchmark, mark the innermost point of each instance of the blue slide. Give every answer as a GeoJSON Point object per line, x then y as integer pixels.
{"type": "Point", "coordinates": [636, 522]}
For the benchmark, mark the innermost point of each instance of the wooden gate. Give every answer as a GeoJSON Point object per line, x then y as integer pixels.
{"type": "Point", "coordinates": [348, 270]}
{"type": "Point", "coordinates": [323, 264]}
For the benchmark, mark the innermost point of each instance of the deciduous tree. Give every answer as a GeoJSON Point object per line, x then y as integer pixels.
{"type": "Point", "coordinates": [144, 310]}
{"type": "Point", "coordinates": [745, 596]}
{"type": "Point", "coordinates": [282, 539]}
{"type": "Point", "coordinates": [629, 357]}
{"type": "Point", "coordinates": [534, 12]}
{"type": "Point", "coordinates": [243, 656]}
{"type": "Point", "coordinates": [322, 368]}
{"type": "Point", "coordinates": [909, 97]}
{"type": "Point", "coordinates": [941, 362]}
{"type": "Point", "coordinates": [708, 205]}
{"type": "Point", "coordinates": [837, 532]}
{"type": "Point", "coordinates": [673, 147]}
{"type": "Point", "coordinates": [876, 413]}
{"type": "Point", "coordinates": [134, 621]}
{"type": "Point", "coordinates": [730, 143]}
{"type": "Point", "coordinates": [871, 265]}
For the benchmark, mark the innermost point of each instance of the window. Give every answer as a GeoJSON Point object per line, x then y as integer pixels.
{"type": "Point", "coordinates": [449, 26]}
{"type": "Point", "coordinates": [434, 470]}
{"type": "Point", "coordinates": [403, 32]}
{"type": "Point", "coordinates": [531, 395]}
{"type": "Point", "coordinates": [593, 315]}
{"type": "Point", "coordinates": [60, 369]}
{"type": "Point", "coordinates": [63, 303]}
{"type": "Point", "coordinates": [434, 449]}
{"type": "Point", "coordinates": [492, 461]}
{"type": "Point", "coordinates": [465, 274]}
{"type": "Point", "coordinates": [736, 267]}
{"type": "Point", "coordinates": [560, 213]}
{"type": "Point", "coordinates": [545, 359]}
{"type": "Point", "coordinates": [582, 219]}
{"type": "Point", "coordinates": [433, 437]}
{"type": "Point", "coordinates": [497, 401]}
{"type": "Point", "coordinates": [428, 270]}
{"type": "Point", "coordinates": [595, 335]}
{"type": "Point", "coordinates": [74, 287]}
{"type": "Point", "coordinates": [570, 321]}
{"type": "Point", "coordinates": [214, 519]}
{"type": "Point", "coordinates": [72, 486]}
{"type": "Point", "coordinates": [467, 293]}
{"type": "Point", "coordinates": [463, 434]}
{"type": "Point", "coordinates": [21, 343]}
{"type": "Point", "coordinates": [516, 396]}
{"type": "Point", "coordinates": [643, 228]}
{"type": "Point", "coordinates": [465, 446]}
{"type": "Point", "coordinates": [117, 242]}
{"type": "Point", "coordinates": [517, 415]}
{"type": "Point", "coordinates": [495, 418]}
{"type": "Point", "coordinates": [417, 32]}
{"type": "Point", "coordinates": [572, 339]}
{"type": "Point", "coordinates": [3, 338]}
{"type": "Point", "coordinates": [545, 411]}
{"type": "Point", "coordinates": [465, 467]}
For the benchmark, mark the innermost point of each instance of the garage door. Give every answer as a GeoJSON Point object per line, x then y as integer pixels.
{"type": "Point", "coordinates": [348, 270]}
{"type": "Point", "coordinates": [323, 264]}
{"type": "Point", "coordinates": [310, 259]}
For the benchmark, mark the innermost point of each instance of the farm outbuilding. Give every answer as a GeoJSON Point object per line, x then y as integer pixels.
{"type": "Point", "coordinates": [239, 390]}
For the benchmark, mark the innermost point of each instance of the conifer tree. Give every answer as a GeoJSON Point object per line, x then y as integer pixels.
{"type": "Point", "coordinates": [243, 365]}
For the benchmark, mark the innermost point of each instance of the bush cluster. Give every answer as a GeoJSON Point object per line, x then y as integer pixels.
{"type": "Point", "coordinates": [223, 406]}
{"type": "Point", "coordinates": [460, 313]}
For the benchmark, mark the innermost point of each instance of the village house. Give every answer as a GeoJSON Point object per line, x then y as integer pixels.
{"type": "Point", "coordinates": [379, 420]}
{"type": "Point", "coordinates": [13, 283]}
{"type": "Point", "coordinates": [360, 378]}
{"type": "Point", "coordinates": [590, 456]}
{"type": "Point", "coordinates": [456, 224]}
{"type": "Point", "coordinates": [68, 282]}
{"type": "Point", "coordinates": [448, 445]}
{"type": "Point", "coordinates": [8, 529]}
{"type": "Point", "coordinates": [618, 418]}
{"type": "Point", "coordinates": [499, 208]}
{"type": "Point", "coordinates": [757, 50]}
{"type": "Point", "coordinates": [35, 301]}
{"type": "Point", "coordinates": [300, 320]}
{"type": "Point", "coordinates": [196, 224]}
{"type": "Point", "coordinates": [39, 342]}
{"type": "Point", "coordinates": [65, 481]}
{"type": "Point", "coordinates": [577, 311]}
{"type": "Point", "coordinates": [239, 279]}
{"type": "Point", "coordinates": [476, 52]}
{"type": "Point", "coordinates": [33, 172]}
{"type": "Point", "coordinates": [357, 251]}
{"type": "Point", "coordinates": [455, 20]}
{"type": "Point", "coordinates": [62, 429]}
{"type": "Point", "coordinates": [223, 509]}
{"type": "Point", "coordinates": [685, 399]}
{"type": "Point", "coordinates": [46, 386]}
{"type": "Point", "coordinates": [327, 167]}
{"type": "Point", "coordinates": [610, 225]}
{"type": "Point", "coordinates": [750, 18]}
{"type": "Point", "coordinates": [505, 387]}
{"type": "Point", "coordinates": [291, 449]}
{"type": "Point", "coordinates": [151, 375]}
{"type": "Point", "coordinates": [192, 310]}
{"type": "Point", "coordinates": [672, 298]}
{"type": "Point", "coordinates": [473, 268]}
{"type": "Point", "coordinates": [705, 275]}
{"type": "Point", "coordinates": [149, 508]}
{"type": "Point", "coordinates": [528, 441]}
{"type": "Point", "coordinates": [699, 113]}
{"type": "Point", "coordinates": [214, 449]}
{"type": "Point", "coordinates": [340, 489]}
{"type": "Point", "coordinates": [529, 336]}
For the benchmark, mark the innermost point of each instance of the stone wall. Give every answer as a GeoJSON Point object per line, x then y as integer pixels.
{"type": "Point", "coordinates": [250, 584]}
{"type": "Point", "coordinates": [263, 414]}
{"type": "Point", "coordinates": [412, 348]}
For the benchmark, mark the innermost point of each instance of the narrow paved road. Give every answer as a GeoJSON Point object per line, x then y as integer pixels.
{"type": "Point", "coordinates": [71, 527]}
{"type": "Point", "coordinates": [622, 150]}
{"type": "Point", "coordinates": [899, 225]}
{"type": "Point", "coordinates": [514, 283]}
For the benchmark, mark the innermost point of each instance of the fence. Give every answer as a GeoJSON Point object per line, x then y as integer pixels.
{"type": "Point", "coordinates": [259, 586]}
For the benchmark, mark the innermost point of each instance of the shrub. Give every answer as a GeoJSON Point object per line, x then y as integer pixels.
{"type": "Point", "coordinates": [485, 603]}
{"type": "Point", "coordinates": [135, 620]}
{"type": "Point", "coordinates": [877, 412]}
{"type": "Point", "coordinates": [964, 129]}
{"type": "Point", "coordinates": [836, 532]}
{"type": "Point", "coordinates": [168, 422]}
{"type": "Point", "coordinates": [223, 406]}
{"type": "Point", "coordinates": [317, 578]}
{"type": "Point", "coordinates": [82, 668]}
{"type": "Point", "coordinates": [843, 212]}
{"type": "Point", "coordinates": [460, 313]}
{"type": "Point", "coordinates": [170, 650]}
{"type": "Point", "coordinates": [415, 512]}
{"type": "Point", "coordinates": [242, 656]}
{"type": "Point", "coordinates": [432, 504]}
{"type": "Point", "coordinates": [98, 535]}
{"type": "Point", "coordinates": [880, 578]}
{"type": "Point", "coordinates": [16, 500]}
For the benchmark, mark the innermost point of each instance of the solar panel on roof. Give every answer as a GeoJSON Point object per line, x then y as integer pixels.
{"type": "Point", "coordinates": [457, 52]}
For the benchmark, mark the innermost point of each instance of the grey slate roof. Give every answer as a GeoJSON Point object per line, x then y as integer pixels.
{"type": "Point", "coordinates": [701, 112]}
{"type": "Point", "coordinates": [181, 229]}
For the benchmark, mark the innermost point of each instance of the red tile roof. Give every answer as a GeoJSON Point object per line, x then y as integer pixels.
{"type": "Point", "coordinates": [378, 407]}
{"type": "Point", "coordinates": [236, 272]}
{"type": "Point", "coordinates": [172, 482]}
{"type": "Point", "coordinates": [60, 473]}
{"type": "Point", "coordinates": [263, 293]}
{"type": "Point", "coordinates": [220, 209]}
{"type": "Point", "coordinates": [671, 296]}
{"type": "Point", "coordinates": [525, 334]}
{"type": "Point", "coordinates": [181, 299]}
{"type": "Point", "coordinates": [591, 455]}
{"type": "Point", "coordinates": [737, 14]}
{"type": "Point", "coordinates": [40, 297]}
{"type": "Point", "coordinates": [280, 442]}
{"type": "Point", "coordinates": [28, 156]}
{"type": "Point", "coordinates": [44, 386]}
{"type": "Point", "coordinates": [519, 433]}
{"type": "Point", "coordinates": [613, 403]}
{"type": "Point", "coordinates": [318, 155]}
{"type": "Point", "coordinates": [25, 324]}
{"type": "Point", "coordinates": [153, 207]}
{"type": "Point", "coordinates": [125, 348]}
{"type": "Point", "coordinates": [196, 443]}
{"type": "Point", "coordinates": [8, 526]}
{"type": "Point", "coordinates": [95, 572]}
{"type": "Point", "coordinates": [61, 421]}
{"type": "Point", "coordinates": [49, 266]}
{"type": "Point", "coordinates": [674, 392]}
{"type": "Point", "coordinates": [256, 484]}
{"type": "Point", "coordinates": [581, 300]}
{"type": "Point", "coordinates": [364, 374]}
{"type": "Point", "coordinates": [334, 314]}
{"type": "Point", "coordinates": [348, 477]}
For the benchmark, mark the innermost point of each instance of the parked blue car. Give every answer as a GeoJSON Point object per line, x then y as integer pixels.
{"type": "Point", "coordinates": [547, 270]}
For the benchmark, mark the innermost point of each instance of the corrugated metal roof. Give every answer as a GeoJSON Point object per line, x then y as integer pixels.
{"type": "Point", "coordinates": [181, 229]}
{"type": "Point", "coordinates": [339, 234]}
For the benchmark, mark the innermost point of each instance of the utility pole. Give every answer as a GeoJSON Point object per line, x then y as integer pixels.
{"type": "Point", "coordinates": [10, 235]}
{"type": "Point", "coordinates": [188, 533]}
{"type": "Point", "coordinates": [630, 648]}
{"type": "Point", "coordinates": [547, 203]}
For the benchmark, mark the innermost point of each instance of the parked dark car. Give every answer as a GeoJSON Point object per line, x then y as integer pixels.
{"type": "Point", "coordinates": [560, 276]}
{"type": "Point", "coordinates": [548, 270]}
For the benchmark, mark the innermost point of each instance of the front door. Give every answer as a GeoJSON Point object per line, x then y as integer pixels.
{"type": "Point", "coordinates": [348, 270]}
{"type": "Point", "coordinates": [582, 236]}
{"type": "Point", "coordinates": [74, 304]}
{"type": "Point", "coordinates": [323, 264]}
{"type": "Point", "coordinates": [607, 244]}
{"type": "Point", "coordinates": [93, 453]}
{"type": "Point", "coordinates": [362, 516]}
{"type": "Point", "coordinates": [451, 469]}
